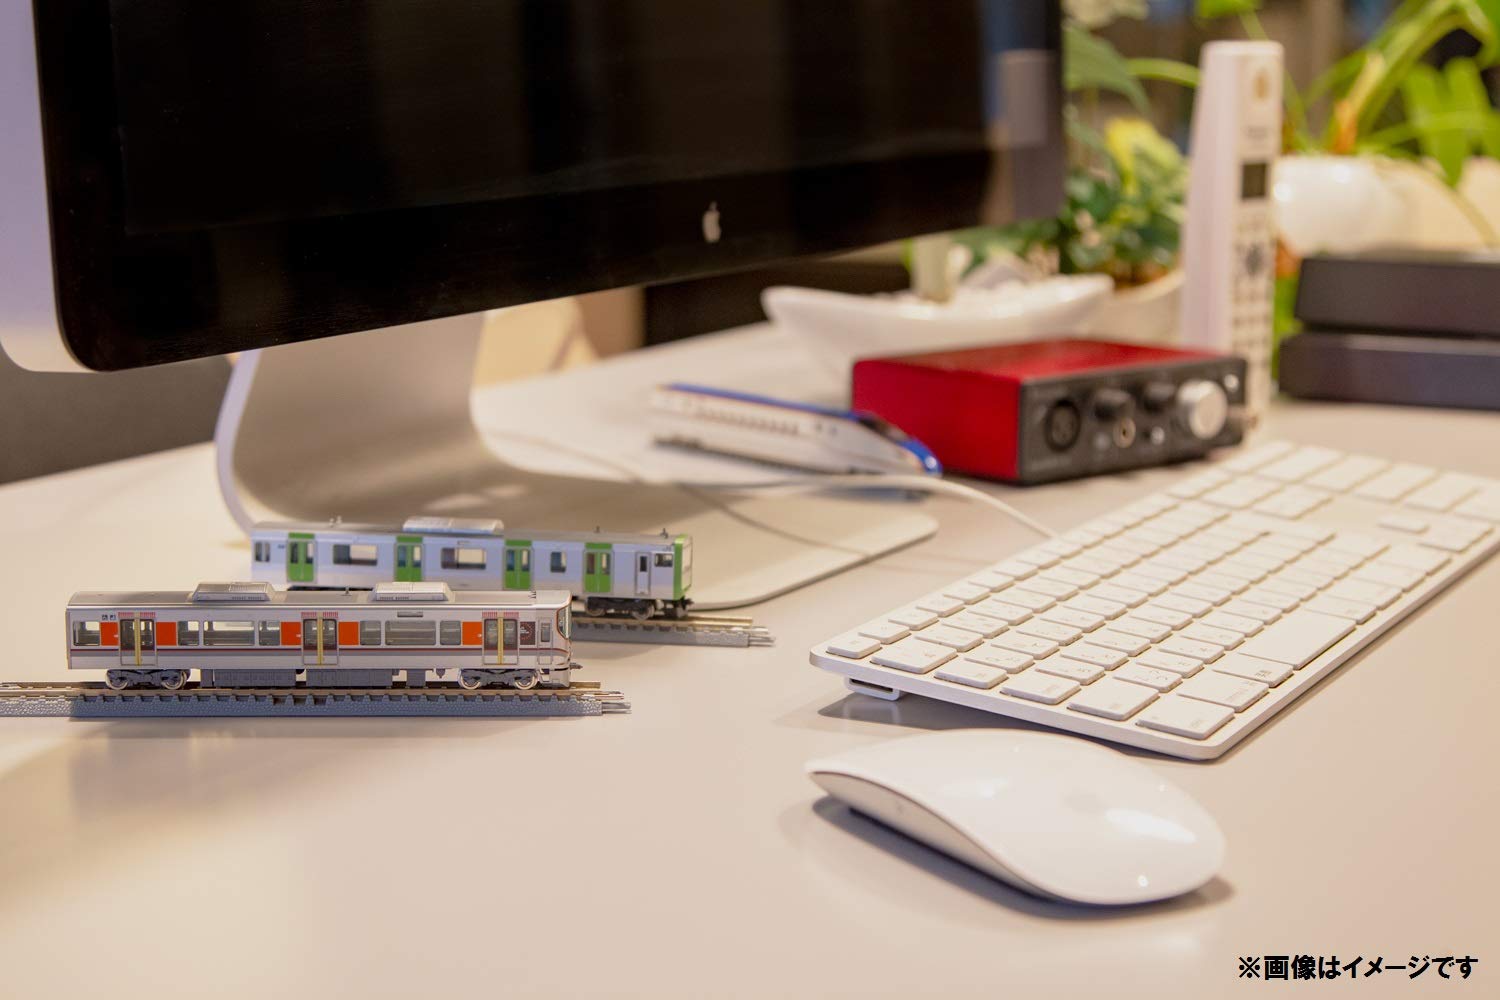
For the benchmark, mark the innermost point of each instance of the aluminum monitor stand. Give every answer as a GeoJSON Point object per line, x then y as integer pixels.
{"type": "Point", "coordinates": [375, 427]}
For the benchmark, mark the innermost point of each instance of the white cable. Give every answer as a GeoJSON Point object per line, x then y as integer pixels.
{"type": "Point", "coordinates": [916, 484]}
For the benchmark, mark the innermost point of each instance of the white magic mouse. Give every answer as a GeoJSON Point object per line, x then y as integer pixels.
{"type": "Point", "coordinates": [1052, 815]}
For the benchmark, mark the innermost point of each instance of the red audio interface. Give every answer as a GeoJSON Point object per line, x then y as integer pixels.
{"type": "Point", "coordinates": [1044, 410]}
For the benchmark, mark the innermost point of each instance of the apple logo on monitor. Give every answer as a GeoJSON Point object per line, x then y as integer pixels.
{"type": "Point", "coordinates": [711, 228]}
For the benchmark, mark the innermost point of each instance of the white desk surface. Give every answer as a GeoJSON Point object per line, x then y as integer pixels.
{"type": "Point", "coordinates": [680, 851]}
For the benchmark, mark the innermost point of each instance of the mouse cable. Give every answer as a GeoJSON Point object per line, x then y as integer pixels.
{"type": "Point", "coordinates": [879, 481]}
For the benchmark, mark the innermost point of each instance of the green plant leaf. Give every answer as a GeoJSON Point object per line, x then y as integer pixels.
{"type": "Point", "coordinates": [1467, 94]}
{"type": "Point", "coordinates": [1170, 70]}
{"type": "Point", "coordinates": [1206, 9]}
{"type": "Point", "coordinates": [1092, 62]}
{"type": "Point", "coordinates": [1423, 91]}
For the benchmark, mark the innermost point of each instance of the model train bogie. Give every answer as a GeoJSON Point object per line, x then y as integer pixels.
{"type": "Point", "coordinates": [253, 636]}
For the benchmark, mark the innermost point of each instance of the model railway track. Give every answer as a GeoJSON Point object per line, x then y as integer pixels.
{"type": "Point", "coordinates": [95, 701]}
{"type": "Point", "coordinates": [693, 630]}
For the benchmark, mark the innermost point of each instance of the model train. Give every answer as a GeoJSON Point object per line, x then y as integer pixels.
{"type": "Point", "coordinates": [639, 575]}
{"type": "Point", "coordinates": [250, 635]}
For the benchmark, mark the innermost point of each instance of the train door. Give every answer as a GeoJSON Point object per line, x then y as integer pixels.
{"type": "Point", "coordinates": [320, 639]}
{"type": "Point", "coordinates": [408, 559]}
{"type": "Point", "coordinates": [299, 557]}
{"type": "Point", "coordinates": [500, 639]}
{"type": "Point", "coordinates": [642, 574]}
{"type": "Point", "coordinates": [517, 565]}
{"type": "Point", "coordinates": [598, 568]}
{"type": "Point", "coordinates": [138, 639]}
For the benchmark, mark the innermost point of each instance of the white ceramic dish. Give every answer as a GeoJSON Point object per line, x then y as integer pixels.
{"type": "Point", "coordinates": [844, 328]}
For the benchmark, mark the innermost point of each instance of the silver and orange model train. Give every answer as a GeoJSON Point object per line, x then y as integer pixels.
{"type": "Point", "coordinates": [249, 635]}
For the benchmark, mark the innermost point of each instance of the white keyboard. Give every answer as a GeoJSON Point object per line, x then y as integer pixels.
{"type": "Point", "coordinates": [1182, 622]}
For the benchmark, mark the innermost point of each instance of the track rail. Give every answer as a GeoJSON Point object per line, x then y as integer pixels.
{"type": "Point", "coordinates": [693, 630]}
{"type": "Point", "coordinates": [95, 701]}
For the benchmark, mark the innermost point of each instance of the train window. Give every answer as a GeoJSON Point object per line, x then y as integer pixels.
{"type": "Point", "coordinates": [228, 633]}
{"type": "Point", "coordinates": [559, 562]}
{"type": "Point", "coordinates": [406, 632]}
{"type": "Point", "coordinates": [85, 633]}
{"type": "Point", "coordinates": [187, 633]}
{"type": "Point", "coordinates": [664, 560]}
{"type": "Point", "coordinates": [510, 633]}
{"type": "Point", "coordinates": [513, 556]}
{"type": "Point", "coordinates": [369, 633]}
{"type": "Point", "coordinates": [528, 633]}
{"type": "Point", "coordinates": [455, 558]}
{"type": "Point", "coordinates": [268, 633]}
{"type": "Point", "coordinates": [544, 633]}
{"type": "Point", "coordinates": [262, 551]}
{"type": "Point", "coordinates": [452, 633]}
{"type": "Point", "coordinates": [356, 555]}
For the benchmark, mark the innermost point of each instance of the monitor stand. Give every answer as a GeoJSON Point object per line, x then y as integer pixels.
{"type": "Point", "coordinates": [375, 427]}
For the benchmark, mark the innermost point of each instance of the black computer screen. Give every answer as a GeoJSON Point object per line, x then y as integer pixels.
{"type": "Point", "coordinates": [239, 173]}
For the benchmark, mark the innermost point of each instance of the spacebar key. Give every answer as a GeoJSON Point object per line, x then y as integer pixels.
{"type": "Point", "coordinates": [1297, 638]}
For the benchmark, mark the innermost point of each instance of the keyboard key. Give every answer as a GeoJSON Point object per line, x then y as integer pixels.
{"type": "Point", "coordinates": [1223, 689]}
{"type": "Point", "coordinates": [1485, 506]}
{"type": "Point", "coordinates": [1115, 557]}
{"type": "Point", "coordinates": [1264, 613]}
{"type": "Point", "coordinates": [1049, 689]}
{"type": "Point", "coordinates": [1256, 457]}
{"type": "Point", "coordinates": [1240, 570]}
{"type": "Point", "coordinates": [953, 638]}
{"type": "Point", "coordinates": [1098, 563]}
{"type": "Point", "coordinates": [1444, 493]}
{"type": "Point", "coordinates": [1452, 537]}
{"type": "Point", "coordinates": [1135, 673]}
{"type": "Point", "coordinates": [1241, 493]}
{"type": "Point", "coordinates": [1070, 577]}
{"type": "Point", "coordinates": [1196, 720]}
{"type": "Point", "coordinates": [1083, 536]}
{"type": "Point", "coordinates": [1122, 641]}
{"type": "Point", "coordinates": [1137, 548]}
{"type": "Point", "coordinates": [1232, 584]}
{"type": "Point", "coordinates": [966, 592]}
{"type": "Point", "coordinates": [1120, 595]}
{"type": "Point", "coordinates": [1395, 482]}
{"type": "Point", "coordinates": [1199, 632]}
{"type": "Point", "coordinates": [1277, 526]}
{"type": "Point", "coordinates": [982, 624]}
{"type": "Point", "coordinates": [1055, 589]}
{"type": "Point", "coordinates": [1029, 644]}
{"type": "Point", "coordinates": [1253, 668]}
{"type": "Point", "coordinates": [971, 674]}
{"type": "Point", "coordinates": [1113, 699]}
{"type": "Point", "coordinates": [1370, 593]}
{"type": "Point", "coordinates": [1184, 666]}
{"type": "Point", "coordinates": [912, 617]}
{"type": "Point", "coordinates": [1000, 659]}
{"type": "Point", "coordinates": [1093, 604]}
{"type": "Point", "coordinates": [1293, 501]}
{"type": "Point", "coordinates": [853, 645]}
{"type": "Point", "coordinates": [1071, 616]}
{"type": "Point", "coordinates": [1014, 569]}
{"type": "Point", "coordinates": [1054, 631]}
{"type": "Point", "coordinates": [1300, 574]}
{"type": "Point", "coordinates": [1344, 475]}
{"type": "Point", "coordinates": [1389, 575]}
{"type": "Point", "coordinates": [1099, 656]}
{"type": "Point", "coordinates": [1187, 605]}
{"type": "Point", "coordinates": [1192, 590]}
{"type": "Point", "coordinates": [1135, 581]}
{"type": "Point", "coordinates": [1073, 670]}
{"type": "Point", "coordinates": [1279, 584]}
{"type": "Point", "coordinates": [1177, 559]}
{"type": "Point", "coordinates": [1415, 557]}
{"type": "Point", "coordinates": [1061, 547]}
{"type": "Point", "coordinates": [991, 581]}
{"type": "Point", "coordinates": [939, 604]}
{"type": "Point", "coordinates": [1162, 616]}
{"type": "Point", "coordinates": [1361, 545]}
{"type": "Point", "coordinates": [912, 655]}
{"type": "Point", "coordinates": [1242, 624]}
{"type": "Point", "coordinates": [1011, 614]}
{"type": "Point", "coordinates": [885, 631]}
{"type": "Point", "coordinates": [1134, 625]}
{"type": "Point", "coordinates": [1038, 557]}
{"type": "Point", "coordinates": [1028, 599]}
{"type": "Point", "coordinates": [1300, 464]}
{"type": "Point", "coordinates": [1355, 611]}
{"type": "Point", "coordinates": [1161, 571]}
{"type": "Point", "coordinates": [1298, 638]}
{"type": "Point", "coordinates": [1205, 652]}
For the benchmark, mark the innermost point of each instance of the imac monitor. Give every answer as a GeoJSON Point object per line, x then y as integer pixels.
{"type": "Point", "coordinates": [187, 179]}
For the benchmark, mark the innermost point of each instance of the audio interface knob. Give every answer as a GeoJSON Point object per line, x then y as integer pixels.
{"type": "Point", "coordinates": [1203, 407]}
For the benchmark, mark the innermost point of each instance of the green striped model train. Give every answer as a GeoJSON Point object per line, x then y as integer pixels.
{"type": "Point", "coordinates": [607, 573]}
